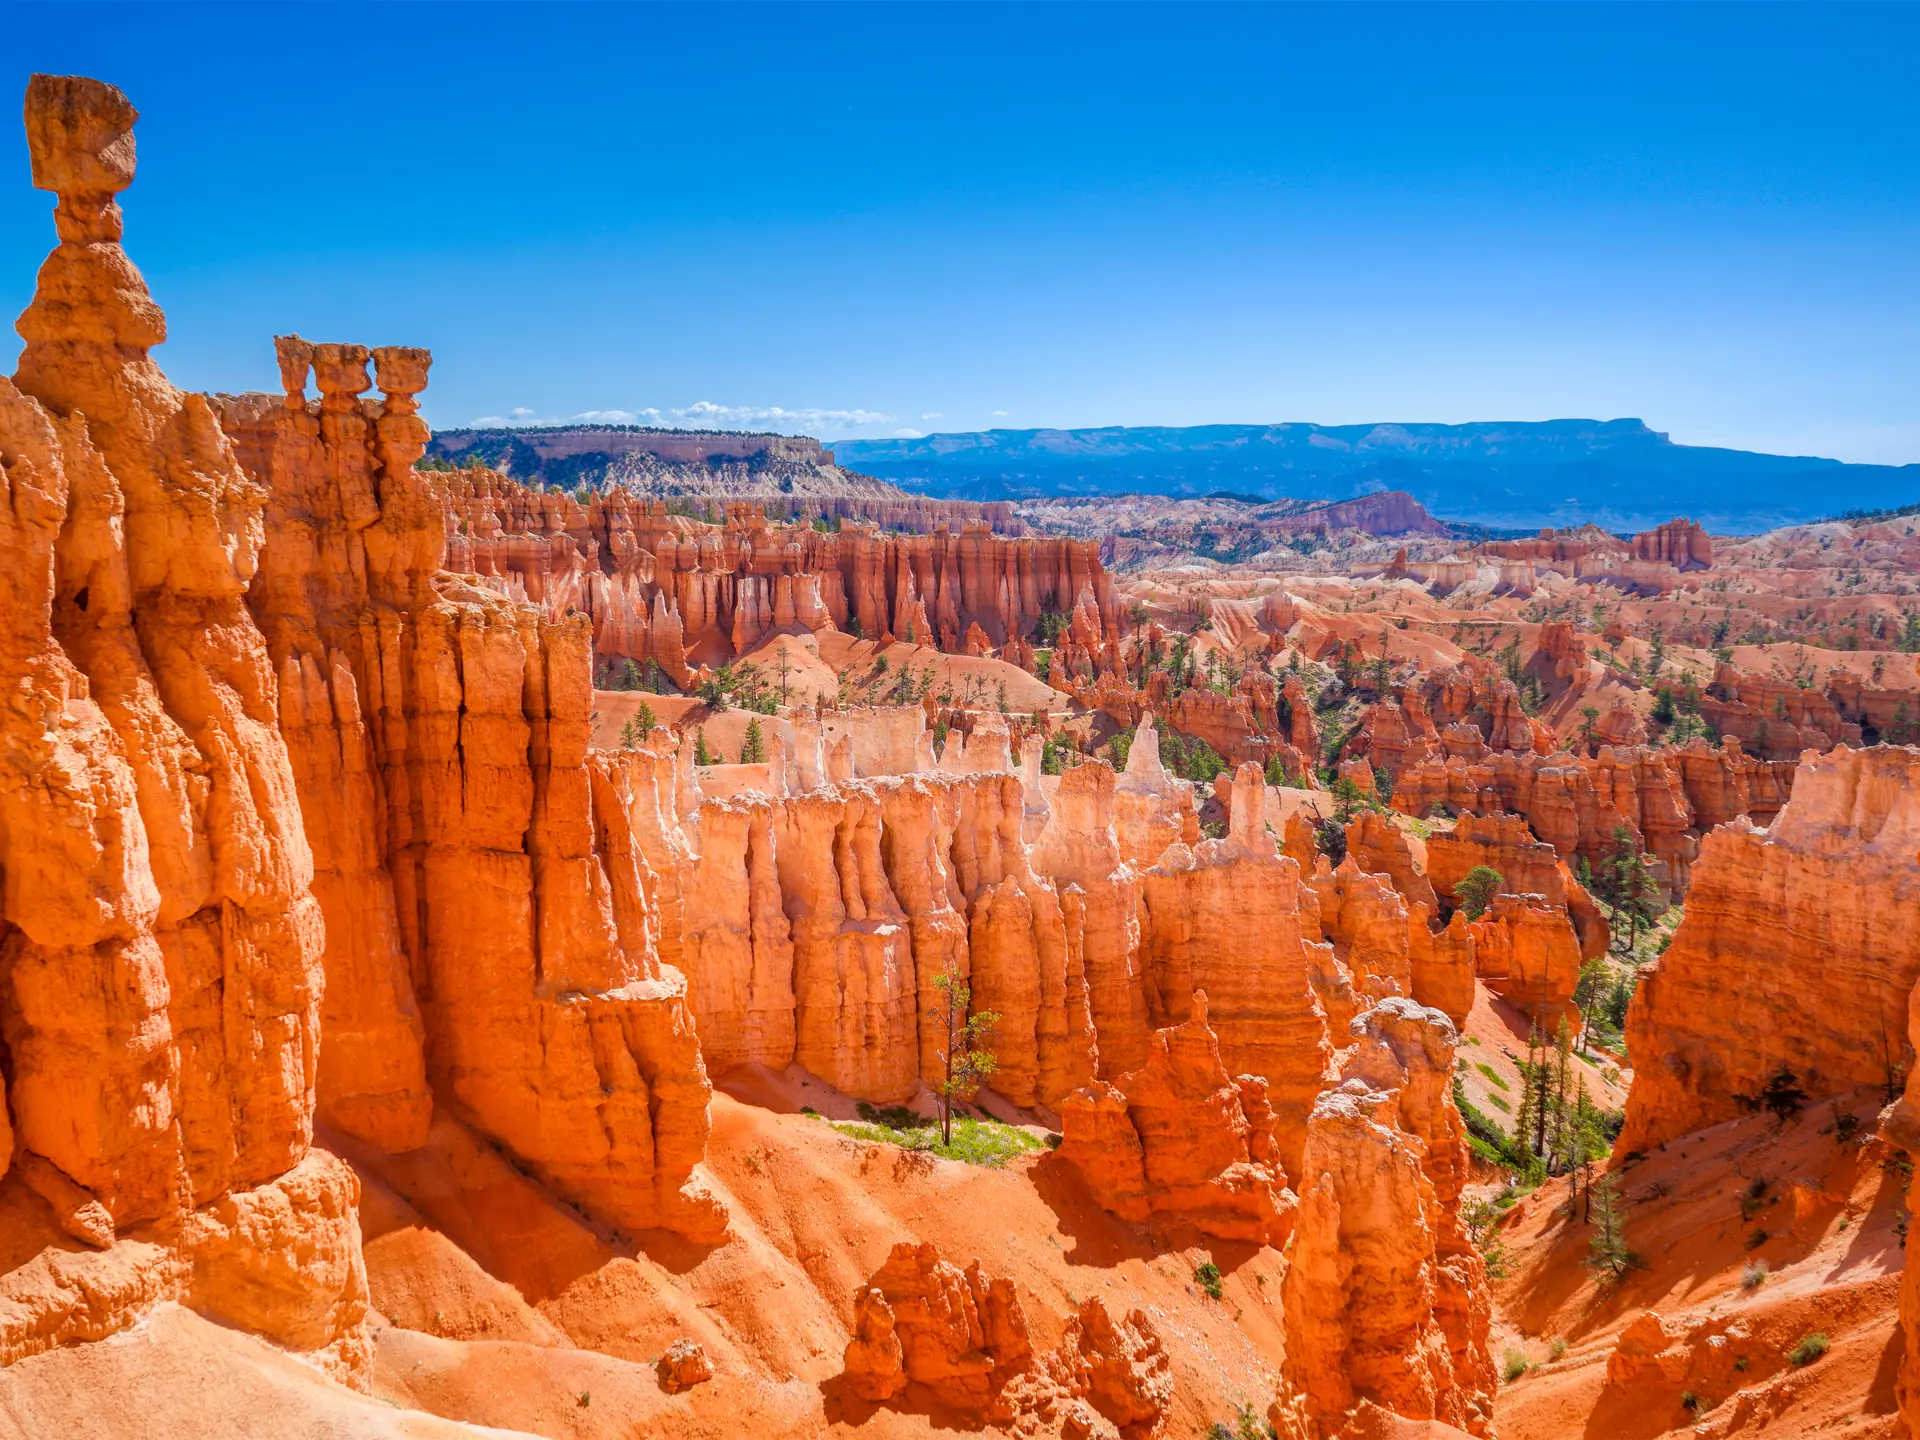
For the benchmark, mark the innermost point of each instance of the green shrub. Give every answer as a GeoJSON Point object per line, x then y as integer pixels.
{"type": "Point", "coordinates": [1208, 1278]}
{"type": "Point", "coordinates": [1513, 1365]}
{"type": "Point", "coordinates": [1810, 1348]}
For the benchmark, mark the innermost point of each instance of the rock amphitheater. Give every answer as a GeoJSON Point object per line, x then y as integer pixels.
{"type": "Point", "coordinates": [1416, 996]}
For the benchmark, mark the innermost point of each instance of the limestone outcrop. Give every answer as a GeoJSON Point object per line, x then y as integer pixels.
{"type": "Point", "coordinates": [1380, 847]}
{"type": "Point", "coordinates": [1800, 948]}
{"type": "Point", "coordinates": [1180, 1138]}
{"type": "Point", "coordinates": [1524, 948]}
{"type": "Point", "coordinates": [813, 928]}
{"type": "Point", "coordinates": [924, 1321]}
{"type": "Point", "coordinates": [1386, 1298]}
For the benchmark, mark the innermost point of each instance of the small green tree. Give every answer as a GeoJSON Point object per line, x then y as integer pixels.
{"type": "Point", "coordinates": [1596, 977]}
{"type": "Point", "coordinates": [1625, 883]}
{"type": "Point", "coordinates": [1477, 888]}
{"type": "Point", "coordinates": [629, 734]}
{"type": "Point", "coordinates": [1348, 798]}
{"type": "Point", "coordinates": [1607, 1250]}
{"type": "Point", "coordinates": [702, 755]}
{"type": "Point", "coordinates": [1589, 717]}
{"type": "Point", "coordinates": [965, 1060]}
{"type": "Point", "coordinates": [753, 745]}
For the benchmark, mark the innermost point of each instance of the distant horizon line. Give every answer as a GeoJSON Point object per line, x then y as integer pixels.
{"type": "Point", "coordinates": [829, 442]}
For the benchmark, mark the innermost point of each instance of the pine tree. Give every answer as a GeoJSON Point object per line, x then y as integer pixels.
{"type": "Point", "coordinates": [753, 745]}
{"type": "Point", "coordinates": [1607, 1251]}
{"type": "Point", "coordinates": [1523, 1123]}
{"type": "Point", "coordinates": [1476, 889]}
{"type": "Point", "coordinates": [965, 1060]}
{"type": "Point", "coordinates": [1562, 1100]}
{"type": "Point", "coordinates": [702, 755]}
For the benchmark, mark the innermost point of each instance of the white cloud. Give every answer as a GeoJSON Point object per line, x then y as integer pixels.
{"type": "Point", "coordinates": [704, 415]}
{"type": "Point", "coordinates": [907, 433]}
{"type": "Point", "coordinates": [933, 415]}
{"type": "Point", "coordinates": [1002, 412]}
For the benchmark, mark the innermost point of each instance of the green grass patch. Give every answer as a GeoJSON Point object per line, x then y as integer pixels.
{"type": "Point", "coordinates": [975, 1142]}
{"type": "Point", "coordinates": [1493, 1076]}
{"type": "Point", "coordinates": [1499, 1104]}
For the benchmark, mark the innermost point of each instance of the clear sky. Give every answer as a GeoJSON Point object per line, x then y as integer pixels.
{"type": "Point", "coordinates": [903, 218]}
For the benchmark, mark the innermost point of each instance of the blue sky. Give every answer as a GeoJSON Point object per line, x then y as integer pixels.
{"type": "Point", "coordinates": [887, 218]}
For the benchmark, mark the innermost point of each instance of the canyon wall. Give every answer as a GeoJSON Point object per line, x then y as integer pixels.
{"type": "Point", "coordinates": [1664, 798]}
{"type": "Point", "coordinates": [1800, 948]}
{"type": "Point", "coordinates": [685, 594]}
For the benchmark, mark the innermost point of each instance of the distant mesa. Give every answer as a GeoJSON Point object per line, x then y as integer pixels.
{"type": "Point", "coordinates": [1619, 474]}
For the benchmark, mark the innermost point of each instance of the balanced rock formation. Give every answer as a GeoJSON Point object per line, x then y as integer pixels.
{"type": "Point", "coordinates": [160, 943]}
{"type": "Point", "coordinates": [1386, 1298]}
{"type": "Point", "coordinates": [1800, 949]}
{"type": "Point", "coordinates": [1181, 1138]}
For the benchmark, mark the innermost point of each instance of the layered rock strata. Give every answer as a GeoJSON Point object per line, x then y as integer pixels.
{"type": "Point", "coordinates": [686, 594]}
{"type": "Point", "coordinates": [1800, 949]}
{"type": "Point", "coordinates": [1663, 798]}
{"type": "Point", "coordinates": [160, 943]}
{"type": "Point", "coordinates": [1181, 1139]}
{"type": "Point", "coordinates": [1386, 1298]}
{"type": "Point", "coordinates": [1224, 917]}
{"type": "Point", "coordinates": [487, 891]}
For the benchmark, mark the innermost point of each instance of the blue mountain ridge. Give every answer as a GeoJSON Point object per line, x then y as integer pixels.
{"type": "Point", "coordinates": [1616, 473]}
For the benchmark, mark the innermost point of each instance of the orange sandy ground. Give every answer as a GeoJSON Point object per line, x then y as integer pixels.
{"type": "Point", "coordinates": [528, 1318]}
{"type": "Point", "coordinates": [1835, 1269]}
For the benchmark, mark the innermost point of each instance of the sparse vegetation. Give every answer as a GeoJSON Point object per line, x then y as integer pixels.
{"type": "Point", "coordinates": [969, 1139]}
{"type": "Point", "coordinates": [1810, 1348]}
{"type": "Point", "coordinates": [1207, 1276]}
{"type": "Point", "coordinates": [1476, 890]}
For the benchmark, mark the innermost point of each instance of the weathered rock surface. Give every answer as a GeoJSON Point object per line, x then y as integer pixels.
{"type": "Point", "coordinates": [684, 595]}
{"type": "Point", "coordinates": [1224, 917]}
{"type": "Point", "coordinates": [1524, 948]}
{"type": "Point", "coordinates": [1800, 949]}
{"type": "Point", "coordinates": [1181, 1138]}
{"type": "Point", "coordinates": [1386, 1298]}
{"type": "Point", "coordinates": [1527, 866]}
{"type": "Point", "coordinates": [160, 946]}
{"type": "Point", "coordinates": [1575, 804]}
{"type": "Point", "coordinates": [963, 1336]}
